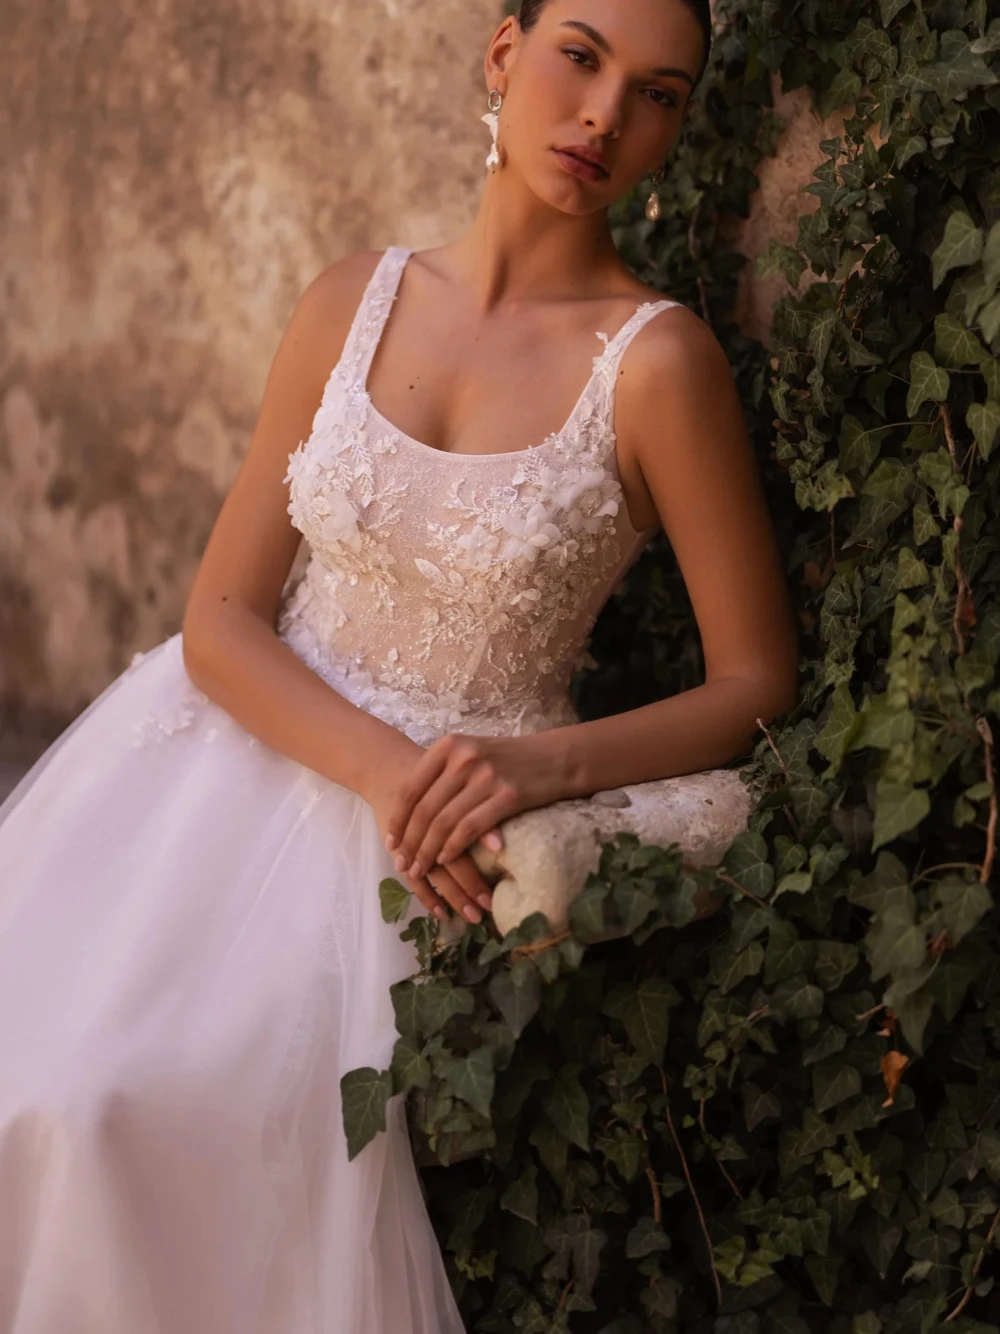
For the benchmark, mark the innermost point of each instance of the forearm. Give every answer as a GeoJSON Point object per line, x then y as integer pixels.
{"type": "Point", "coordinates": [238, 661]}
{"type": "Point", "coordinates": [702, 728]}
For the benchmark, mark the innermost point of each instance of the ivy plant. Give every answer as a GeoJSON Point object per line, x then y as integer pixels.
{"type": "Point", "coordinates": [784, 1119]}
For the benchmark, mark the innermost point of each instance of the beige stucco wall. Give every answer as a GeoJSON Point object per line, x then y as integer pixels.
{"type": "Point", "coordinates": [174, 174]}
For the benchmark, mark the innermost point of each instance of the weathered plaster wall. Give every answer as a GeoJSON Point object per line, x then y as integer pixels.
{"type": "Point", "coordinates": [174, 173]}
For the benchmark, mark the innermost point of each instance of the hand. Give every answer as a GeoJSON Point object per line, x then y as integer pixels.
{"type": "Point", "coordinates": [459, 882]}
{"type": "Point", "coordinates": [462, 787]}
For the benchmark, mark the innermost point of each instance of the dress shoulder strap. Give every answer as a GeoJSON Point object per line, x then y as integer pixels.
{"type": "Point", "coordinates": [599, 398]}
{"type": "Point", "coordinates": [372, 315]}
{"type": "Point", "coordinates": [616, 347]}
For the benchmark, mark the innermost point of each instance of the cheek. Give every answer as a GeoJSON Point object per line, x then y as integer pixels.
{"type": "Point", "coordinates": [552, 92]}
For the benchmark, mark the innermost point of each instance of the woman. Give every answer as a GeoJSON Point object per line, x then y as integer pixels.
{"type": "Point", "coordinates": [191, 947]}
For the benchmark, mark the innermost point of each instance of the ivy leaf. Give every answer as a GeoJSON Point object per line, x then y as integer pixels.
{"type": "Point", "coordinates": [890, 8]}
{"type": "Point", "coordinates": [895, 942]}
{"type": "Point", "coordinates": [983, 420]}
{"type": "Point", "coordinates": [797, 998]}
{"type": "Point", "coordinates": [833, 1083]}
{"type": "Point", "coordinates": [824, 1271]}
{"type": "Point", "coordinates": [955, 345]}
{"type": "Point", "coordinates": [471, 1078]}
{"type": "Point", "coordinates": [911, 572]}
{"type": "Point", "coordinates": [758, 1105]}
{"type": "Point", "coordinates": [747, 861]}
{"type": "Point", "coordinates": [625, 1151]}
{"type": "Point", "coordinates": [645, 1238]}
{"type": "Point", "coordinates": [394, 900]}
{"type": "Point", "coordinates": [883, 726]}
{"type": "Point", "coordinates": [961, 245]}
{"type": "Point", "coordinates": [926, 1171]}
{"type": "Point", "coordinates": [364, 1095]}
{"type": "Point", "coordinates": [517, 994]}
{"type": "Point", "coordinates": [730, 967]}
{"type": "Point", "coordinates": [521, 1196]}
{"type": "Point", "coordinates": [840, 727]}
{"type": "Point", "coordinates": [927, 381]}
{"type": "Point", "coordinates": [646, 1021]}
{"type": "Point", "coordinates": [439, 1000]}
{"type": "Point", "coordinates": [587, 1243]}
{"type": "Point", "coordinates": [405, 996]}
{"type": "Point", "coordinates": [835, 960]}
{"type": "Point", "coordinates": [566, 1104]}
{"type": "Point", "coordinates": [957, 73]}
{"type": "Point", "coordinates": [410, 1068]}
{"type": "Point", "coordinates": [963, 904]}
{"type": "Point", "coordinates": [898, 809]}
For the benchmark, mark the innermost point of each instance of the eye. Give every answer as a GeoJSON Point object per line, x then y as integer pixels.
{"type": "Point", "coordinates": [575, 51]}
{"type": "Point", "coordinates": [663, 98]}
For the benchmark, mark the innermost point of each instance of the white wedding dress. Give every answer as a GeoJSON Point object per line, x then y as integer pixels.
{"type": "Point", "coordinates": [192, 951]}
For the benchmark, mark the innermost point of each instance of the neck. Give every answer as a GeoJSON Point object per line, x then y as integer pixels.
{"type": "Point", "coordinates": [519, 248]}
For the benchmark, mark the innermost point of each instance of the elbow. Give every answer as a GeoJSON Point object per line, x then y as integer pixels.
{"type": "Point", "coordinates": [777, 697]}
{"type": "Point", "coordinates": [192, 649]}
{"type": "Point", "coordinates": [199, 638]}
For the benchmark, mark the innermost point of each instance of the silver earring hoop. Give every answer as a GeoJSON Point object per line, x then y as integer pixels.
{"type": "Point", "coordinates": [653, 202]}
{"type": "Point", "coordinates": [492, 119]}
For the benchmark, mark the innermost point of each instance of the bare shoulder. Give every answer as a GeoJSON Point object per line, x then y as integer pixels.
{"type": "Point", "coordinates": [327, 306]}
{"type": "Point", "coordinates": [676, 370]}
{"type": "Point", "coordinates": [676, 352]}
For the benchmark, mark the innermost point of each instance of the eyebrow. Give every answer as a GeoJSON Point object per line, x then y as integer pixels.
{"type": "Point", "coordinates": [600, 41]}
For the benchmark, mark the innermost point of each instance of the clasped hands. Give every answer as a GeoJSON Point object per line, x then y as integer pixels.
{"type": "Point", "coordinates": [458, 791]}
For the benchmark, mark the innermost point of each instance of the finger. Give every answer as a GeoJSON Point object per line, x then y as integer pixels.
{"type": "Point", "coordinates": [500, 805]}
{"type": "Point", "coordinates": [468, 875]}
{"type": "Point", "coordinates": [493, 840]}
{"type": "Point", "coordinates": [449, 888]}
{"type": "Point", "coordinates": [423, 890]}
{"type": "Point", "coordinates": [425, 772]}
{"type": "Point", "coordinates": [469, 793]}
{"type": "Point", "coordinates": [448, 784]}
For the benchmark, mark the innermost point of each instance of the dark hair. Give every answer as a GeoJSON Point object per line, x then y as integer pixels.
{"type": "Point", "coordinates": [531, 10]}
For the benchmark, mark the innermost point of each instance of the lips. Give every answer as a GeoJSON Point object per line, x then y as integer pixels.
{"type": "Point", "coordinates": [582, 163]}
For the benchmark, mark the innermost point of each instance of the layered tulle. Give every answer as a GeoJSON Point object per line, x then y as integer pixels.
{"type": "Point", "coordinates": [191, 955]}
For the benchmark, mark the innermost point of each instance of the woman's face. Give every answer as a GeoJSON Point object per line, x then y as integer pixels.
{"type": "Point", "coordinates": [606, 78]}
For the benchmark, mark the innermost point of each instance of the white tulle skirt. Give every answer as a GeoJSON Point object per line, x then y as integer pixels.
{"type": "Point", "coordinates": [192, 953]}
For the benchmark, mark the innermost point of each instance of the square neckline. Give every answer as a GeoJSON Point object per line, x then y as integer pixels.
{"type": "Point", "coordinates": [404, 256]}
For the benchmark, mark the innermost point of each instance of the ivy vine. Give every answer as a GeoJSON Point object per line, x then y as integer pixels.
{"type": "Point", "coordinates": [784, 1119]}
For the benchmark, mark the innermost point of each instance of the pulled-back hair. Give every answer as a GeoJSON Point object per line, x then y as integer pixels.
{"type": "Point", "coordinates": [531, 10]}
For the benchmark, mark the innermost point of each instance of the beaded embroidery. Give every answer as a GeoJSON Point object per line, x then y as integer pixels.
{"type": "Point", "coordinates": [451, 592]}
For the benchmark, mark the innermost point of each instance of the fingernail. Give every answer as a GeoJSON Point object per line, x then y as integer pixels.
{"type": "Point", "coordinates": [416, 871]}
{"type": "Point", "coordinates": [494, 842]}
{"type": "Point", "coordinates": [473, 914]}
{"type": "Point", "coordinates": [486, 902]}
{"type": "Point", "coordinates": [401, 864]}
{"type": "Point", "coordinates": [441, 912]}
{"type": "Point", "coordinates": [390, 842]}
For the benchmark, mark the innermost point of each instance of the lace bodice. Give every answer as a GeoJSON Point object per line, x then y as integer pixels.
{"type": "Point", "coordinates": [454, 592]}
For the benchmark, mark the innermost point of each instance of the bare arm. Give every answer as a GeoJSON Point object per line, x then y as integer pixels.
{"type": "Point", "coordinates": [679, 416]}
{"type": "Point", "coordinates": [231, 649]}
{"type": "Point", "coordinates": [230, 645]}
{"type": "Point", "coordinates": [680, 413]}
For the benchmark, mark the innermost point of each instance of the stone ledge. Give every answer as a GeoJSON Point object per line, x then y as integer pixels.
{"type": "Point", "coordinates": [549, 853]}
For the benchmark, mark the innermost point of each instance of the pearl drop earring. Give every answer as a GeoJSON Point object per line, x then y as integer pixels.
{"type": "Point", "coordinates": [653, 202]}
{"type": "Point", "coordinates": [492, 119]}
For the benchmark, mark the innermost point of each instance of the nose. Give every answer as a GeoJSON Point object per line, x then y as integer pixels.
{"type": "Point", "coordinates": [603, 112]}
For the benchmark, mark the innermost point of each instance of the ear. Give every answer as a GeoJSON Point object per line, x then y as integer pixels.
{"type": "Point", "coordinates": [500, 53]}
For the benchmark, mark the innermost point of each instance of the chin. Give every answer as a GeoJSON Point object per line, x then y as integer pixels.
{"type": "Point", "coordinates": [568, 198]}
